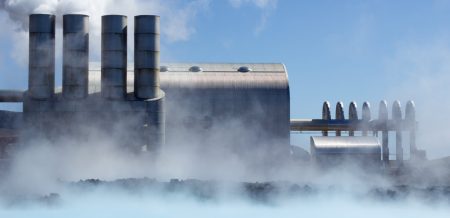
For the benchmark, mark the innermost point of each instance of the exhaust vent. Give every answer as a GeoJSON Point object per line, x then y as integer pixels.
{"type": "Point", "coordinates": [146, 56]}
{"type": "Point", "coordinates": [75, 56]}
{"type": "Point", "coordinates": [114, 56]}
{"type": "Point", "coordinates": [41, 75]}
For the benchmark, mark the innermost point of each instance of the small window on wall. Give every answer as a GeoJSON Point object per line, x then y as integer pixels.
{"type": "Point", "coordinates": [164, 69]}
{"type": "Point", "coordinates": [195, 69]}
{"type": "Point", "coordinates": [244, 69]}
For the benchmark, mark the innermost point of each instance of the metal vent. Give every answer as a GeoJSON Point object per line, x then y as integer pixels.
{"type": "Point", "coordinates": [244, 69]}
{"type": "Point", "coordinates": [164, 69]}
{"type": "Point", "coordinates": [195, 69]}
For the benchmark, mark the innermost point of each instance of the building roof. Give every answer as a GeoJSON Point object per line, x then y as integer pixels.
{"type": "Point", "coordinates": [269, 76]}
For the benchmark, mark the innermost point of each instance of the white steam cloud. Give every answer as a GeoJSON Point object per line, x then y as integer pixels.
{"type": "Point", "coordinates": [177, 18]}
{"type": "Point", "coordinates": [422, 71]}
{"type": "Point", "coordinates": [267, 7]}
{"type": "Point", "coordinates": [259, 3]}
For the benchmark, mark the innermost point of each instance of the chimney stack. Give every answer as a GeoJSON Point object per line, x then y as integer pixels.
{"type": "Point", "coordinates": [146, 56]}
{"type": "Point", "coordinates": [114, 56]}
{"type": "Point", "coordinates": [75, 56]}
{"type": "Point", "coordinates": [41, 68]}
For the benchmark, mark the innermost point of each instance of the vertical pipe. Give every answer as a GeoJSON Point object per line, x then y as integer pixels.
{"type": "Point", "coordinates": [339, 115]}
{"type": "Point", "coordinates": [382, 118]}
{"type": "Point", "coordinates": [326, 115]}
{"type": "Point", "coordinates": [410, 117]}
{"type": "Point", "coordinates": [352, 115]}
{"type": "Point", "coordinates": [41, 67]}
{"type": "Point", "coordinates": [146, 56]}
{"type": "Point", "coordinates": [75, 56]}
{"type": "Point", "coordinates": [114, 57]}
{"type": "Point", "coordinates": [397, 117]}
{"type": "Point", "coordinates": [366, 116]}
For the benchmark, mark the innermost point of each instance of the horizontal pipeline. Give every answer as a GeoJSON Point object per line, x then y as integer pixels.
{"type": "Point", "coordinates": [348, 125]}
{"type": "Point", "coordinates": [11, 96]}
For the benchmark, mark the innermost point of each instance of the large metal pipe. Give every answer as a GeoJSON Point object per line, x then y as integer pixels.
{"type": "Point", "coordinates": [410, 117]}
{"type": "Point", "coordinates": [383, 117]}
{"type": "Point", "coordinates": [114, 56]}
{"type": "Point", "coordinates": [397, 116]}
{"type": "Point", "coordinates": [352, 115]}
{"type": "Point", "coordinates": [146, 56]}
{"type": "Point", "coordinates": [326, 115]}
{"type": "Point", "coordinates": [41, 68]}
{"type": "Point", "coordinates": [366, 116]}
{"type": "Point", "coordinates": [348, 125]}
{"type": "Point", "coordinates": [339, 115]}
{"type": "Point", "coordinates": [11, 96]}
{"type": "Point", "coordinates": [75, 56]}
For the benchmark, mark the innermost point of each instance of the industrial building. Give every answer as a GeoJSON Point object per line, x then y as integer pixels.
{"type": "Point", "coordinates": [147, 105]}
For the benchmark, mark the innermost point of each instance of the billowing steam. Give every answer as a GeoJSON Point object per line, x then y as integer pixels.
{"type": "Point", "coordinates": [177, 18]}
{"type": "Point", "coordinates": [422, 71]}
{"type": "Point", "coordinates": [42, 180]}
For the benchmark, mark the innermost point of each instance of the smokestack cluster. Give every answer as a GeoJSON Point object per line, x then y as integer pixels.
{"type": "Point", "coordinates": [76, 56]}
{"type": "Point", "coordinates": [43, 109]}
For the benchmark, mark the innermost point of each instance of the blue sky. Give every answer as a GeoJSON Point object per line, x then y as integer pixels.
{"type": "Point", "coordinates": [333, 50]}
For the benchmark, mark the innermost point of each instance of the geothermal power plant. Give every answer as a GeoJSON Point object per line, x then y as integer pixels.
{"type": "Point", "coordinates": [147, 105]}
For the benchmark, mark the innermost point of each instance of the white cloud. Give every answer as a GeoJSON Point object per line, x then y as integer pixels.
{"type": "Point", "coordinates": [266, 6]}
{"type": "Point", "coordinates": [258, 3]}
{"type": "Point", "coordinates": [177, 17]}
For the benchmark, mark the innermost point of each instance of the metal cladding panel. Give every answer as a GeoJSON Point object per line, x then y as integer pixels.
{"type": "Point", "coordinates": [147, 24]}
{"type": "Point", "coordinates": [41, 76]}
{"type": "Point", "coordinates": [345, 145]}
{"type": "Point", "coordinates": [42, 23]}
{"type": "Point", "coordinates": [269, 77]}
{"type": "Point", "coordinates": [249, 109]}
{"type": "Point", "coordinates": [114, 24]}
{"type": "Point", "coordinates": [217, 80]}
{"type": "Point", "coordinates": [146, 56]}
{"type": "Point", "coordinates": [75, 56]}
{"type": "Point", "coordinates": [155, 123]}
{"type": "Point", "coordinates": [114, 56]}
{"type": "Point", "coordinates": [221, 96]}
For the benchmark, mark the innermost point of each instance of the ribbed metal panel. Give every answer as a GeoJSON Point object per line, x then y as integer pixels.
{"type": "Point", "coordinates": [75, 56]}
{"type": "Point", "coordinates": [114, 56]}
{"type": "Point", "coordinates": [326, 114]}
{"type": "Point", "coordinates": [146, 56]}
{"type": "Point", "coordinates": [346, 145]}
{"type": "Point", "coordinates": [366, 116]}
{"type": "Point", "coordinates": [397, 116]}
{"type": "Point", "coordinates": [355, 150]}
{"type": "Point", "coordinates": [410, 117]}
{"type": "Point", "coordinates": [41, 77]}
{"type": "Point", "coordinates": [383, 117]}
{"type": "Point", "coordinates": [155, 123]}
{"type": "Point", "coordinates": [219, 96]}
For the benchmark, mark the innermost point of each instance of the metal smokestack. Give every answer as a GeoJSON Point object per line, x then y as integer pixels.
{"type": "Point", "coordinates": [41, 68]}
{"type": "Point", "coordinates": [114, 56]}
{"type": "Point", "coordinates": [146, 56]}
{"type": "Point", "coordinates": [75, 56]}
